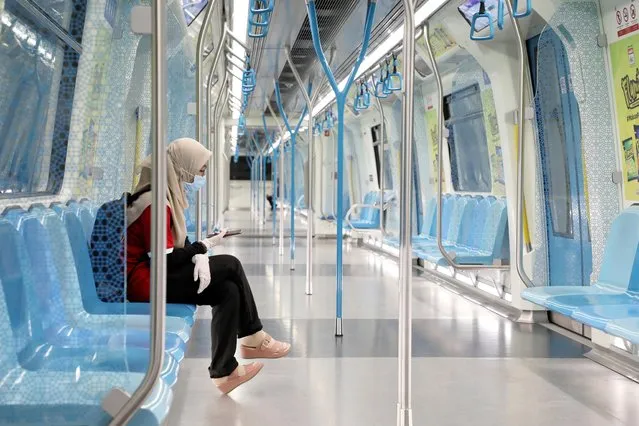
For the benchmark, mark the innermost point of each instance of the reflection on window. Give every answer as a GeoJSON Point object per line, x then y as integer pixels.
{"type": "Point", "coordinates": [192, 8]}
{"type": "Point", "coordinates": [28, 63]}
{"type": "Point", "coordinates": [467, 143]}
{"type": "Point", "coordinates": [37, 79]}
{"type": "Point", "coordinates": [557, 171]}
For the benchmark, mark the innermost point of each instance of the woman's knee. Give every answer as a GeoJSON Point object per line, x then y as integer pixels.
{"type": "Point", "coordinates": [229, 261]}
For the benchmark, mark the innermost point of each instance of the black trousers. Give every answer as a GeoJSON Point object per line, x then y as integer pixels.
{"type": "Point", "coordinates": [233, 307]}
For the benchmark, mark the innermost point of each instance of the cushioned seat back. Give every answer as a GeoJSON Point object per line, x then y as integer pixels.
{"type": "Point", "coordinates": [71, 269]}
{"type": "Point", "coordinates": [456, 215]}
{"type": "Point", "coordinates": [87, 219]}
{"type": "Point", "coordinates": [43, 269]}
{"type": "Point", "coordinates": [429, 217]}
{"type": "Point", "coordinates": [619, 264]}
{"type": "Point", "coordinates": [82, 262]}
{"type": "Point", "coordinates": [9, 365]}
{"type": "Point", "coordinates": [447, 210]}
{"type": "Point", "coordinates": [18, 291]}
{"type": "Point", "coordinates": [494, 229]}
{"type": "Point", "coordinates": [465, 226]}
{"type": "Point", "coordinates": [371, 214]}
{"type": "Point", "coordinates": [475, 233]}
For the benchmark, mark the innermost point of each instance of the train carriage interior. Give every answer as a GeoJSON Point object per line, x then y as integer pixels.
{"type": "Point", "coordinates": [435, 202]}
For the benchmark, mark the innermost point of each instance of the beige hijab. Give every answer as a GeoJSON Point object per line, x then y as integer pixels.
{"type": "Point", "coordinates": [185, 159]}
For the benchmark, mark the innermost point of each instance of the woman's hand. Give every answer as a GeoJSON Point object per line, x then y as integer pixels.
{"type": "Point", "coordinates": [215, 240]}
{"type": "Point", "coordinates": [202, 271]}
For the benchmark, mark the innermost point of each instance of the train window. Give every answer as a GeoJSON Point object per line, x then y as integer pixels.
{"type": "Point", "coordinates": [37, 77]}
{"type": "Point", "coordinates": [241, 170]}
{"type": "Point", "coordinates": [192, 9]}
{"type": "Point", "coordinates": [57, 10]}
{"type": "Point", "coordinates": [467, 144]}
{"type": "Point", "coordinates": [375, 130]}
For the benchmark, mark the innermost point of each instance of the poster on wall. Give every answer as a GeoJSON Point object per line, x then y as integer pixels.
{"type": "Point", "coordinates": [626, 18]}
{"type": "Point", "coordinates": [625, 74]}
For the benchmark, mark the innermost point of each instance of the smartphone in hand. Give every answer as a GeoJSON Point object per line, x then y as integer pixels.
{"type": "Point", "coordinates": [229, 233]}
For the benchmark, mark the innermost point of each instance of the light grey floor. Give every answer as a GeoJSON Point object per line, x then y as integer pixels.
{"type": "Point", "coordinates": [470, 366]}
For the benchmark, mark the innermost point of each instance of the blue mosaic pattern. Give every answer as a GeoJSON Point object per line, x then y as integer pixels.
{"type": "Point", "coordinates": [581, 20]}
{"type": "Point", "coordinates": [65, 99]}
{"type": "Point", "coordinates": [107, 251]}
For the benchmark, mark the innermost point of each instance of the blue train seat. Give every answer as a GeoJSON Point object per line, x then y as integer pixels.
{"type": "Point", "coordinates": [612, 303]}
{"type": "Point", "coordinates": [114, 275]}
{"type": "Point", "coordinates": [63, 326]}
{"type": "Point", "coordinates": [176, 314]}
{"type": "Point", "coordinates": [346, 200]}
{"type": "Point", "coordinates": [456, 228]}
{"type": "Point", "coordinates": [487, 240]}
{"type": "Point", "coordinates": [369, 216]}
{"type": "Point", "coordinates": [458, 232]}
{"type": "Point", "coordinates": [85, 291]}
{"type": "Point", "coordinates": [83, 211]}
{"type": "Point", "coordinates": [428, 231]}
{"type": "Point", "coordinates": [64, 392]}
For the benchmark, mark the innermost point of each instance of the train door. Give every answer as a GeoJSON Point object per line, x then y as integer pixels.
{"type": "Point", "coordinates": [559, 136]}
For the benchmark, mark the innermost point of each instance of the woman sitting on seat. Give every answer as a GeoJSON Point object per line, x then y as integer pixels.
{"type": "Point", "coordinates": [192, 276]}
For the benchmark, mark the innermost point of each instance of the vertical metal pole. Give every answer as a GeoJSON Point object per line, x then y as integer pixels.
{"type": "Point", "coordinates": [274, 161]}
{"type": "Point", "coordinates": [404, 409]}
{"type": "Point", "coordinates": [264, 159]}
{"type": "Point", "coordinates": [210, 176]}
{"type": "Point", "coordinates": [311, 181]}
{"type": "Point", "coordinates": [293, 133]}
{"type": "Point", "coordinates": [281, 189]}
{"type": "Point", "coordinates": [382, 175]}
{"type": "Point", "coordinates": [280, 183]}
{"type": "Point", "coordinates": [217, 118]}
{"type": "Point", "coordinates": [292, 200]}
{"type": "Point", "coordinates": [199, 117]}
{"type": "Point", "coordinates": [521, 271]}
{"type": "Point", "coordinates": [340, 98]}
{"type": "Point", "coordinates": [158, 214]}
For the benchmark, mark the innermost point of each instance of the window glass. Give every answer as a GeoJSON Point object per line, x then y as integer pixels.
{"type": "Point", "coordinates": [58, 10]}
{"type": "Point", "coordinates": [192, 9]}
{"type": "Point", "coordinates": [467, 143]}
{"type": "Point", "coordinates": [30, 68]}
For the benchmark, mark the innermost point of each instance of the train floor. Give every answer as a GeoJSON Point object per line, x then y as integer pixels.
{"type": "Point", "coordinates": [470, 365]}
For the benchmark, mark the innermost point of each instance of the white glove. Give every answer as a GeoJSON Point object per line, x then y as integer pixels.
{"type": "Point", "coordinates": [215, 240]}
{"type": "Point", "coordinates": [202, 271]}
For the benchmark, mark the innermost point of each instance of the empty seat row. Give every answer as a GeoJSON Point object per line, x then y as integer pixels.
{"type": "Point", "coordinates": [64, 349]}
{"type": "Point", "coordinates": [612, 303]}
{"type": "Point", "coordinates": [474, 231]}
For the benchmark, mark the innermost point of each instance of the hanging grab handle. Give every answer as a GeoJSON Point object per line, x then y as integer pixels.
{"type": "Point", "coordinates": [483, 13]}
{"type": "Point", "coordinates": [248, 78]}
{"type": "Point", "coordinates": [363, 98]}
{"type": "Point", "coordinates": [260, 18]}
{"type": "Point", "coordinates": [378, 86]}
{"type": "Point", "coordinates": [501, 14]}
{"type": "Point", "coordinates": [261, 7]}
{"type": "Point", "coordinates": [526, 12]}
{"type": "Point", "coordinates": [395, 80]}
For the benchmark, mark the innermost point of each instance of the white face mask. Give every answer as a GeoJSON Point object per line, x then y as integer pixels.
{"type": "Point", "coordinates": [198, 183]}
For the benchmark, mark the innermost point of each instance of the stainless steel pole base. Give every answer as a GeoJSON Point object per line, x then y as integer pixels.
{"type": "Point", "coordinates": [404, 416]}
{"type": "Point", "coordinates": [338, 327]}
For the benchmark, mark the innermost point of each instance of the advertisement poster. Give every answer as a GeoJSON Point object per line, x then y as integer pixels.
{"type": "Point", "coordinates": [625, 75]}
{"type": "Point", "coordinates": [431, 123]}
